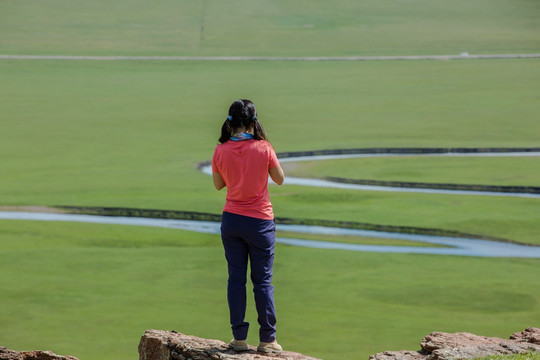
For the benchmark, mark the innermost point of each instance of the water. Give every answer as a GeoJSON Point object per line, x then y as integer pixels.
{"type": "Point", "coordinates": [337, 185]}
{"type": "Point", "coordinates": [457, 246]}
{"type": "Point", "coordinates": [454, 246]}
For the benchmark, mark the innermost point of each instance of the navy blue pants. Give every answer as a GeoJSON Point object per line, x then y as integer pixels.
{"type": "Point", "coordinates": [246, 237]}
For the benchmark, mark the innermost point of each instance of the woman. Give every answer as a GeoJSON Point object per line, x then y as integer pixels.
{"type": "Point", "coordinates": [242, 162]}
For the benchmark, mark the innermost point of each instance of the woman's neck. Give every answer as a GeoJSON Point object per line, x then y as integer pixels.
{"type": "Point", "coordinates": [243, 130]}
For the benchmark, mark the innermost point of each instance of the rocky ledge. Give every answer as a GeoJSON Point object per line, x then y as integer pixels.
{"type": "Point", "coordinates": [445, 346]}
{"type": "Point", "coordinates": [171, 345]}
{"type": "Point", "coordinates": [6, 354]}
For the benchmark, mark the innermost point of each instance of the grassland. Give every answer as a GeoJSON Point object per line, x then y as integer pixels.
{"type": "Point", "coordinates": [130, 134]}
{"type": "Point", "coordinates": [526, 356]}
{"type": "Point", "coordinates": [446, 170]}
{"type": "Point", "coordinates": [351, 239]}
{"type": "Point", "coordinates": [270, 27]}
{"type": "Point", "coordinates": [91, 290]}
{"type": "Point", "coordinates": [512, 219]}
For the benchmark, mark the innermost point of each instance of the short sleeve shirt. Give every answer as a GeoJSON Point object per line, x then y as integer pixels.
{"type": "Point", "coordinates": [244, 166]}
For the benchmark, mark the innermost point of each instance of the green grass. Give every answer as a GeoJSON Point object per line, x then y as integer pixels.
{"type": "Point", "coordinates": [437, 169]}
{"type": "Point", "coordinates": [73, 129]}
{"type": "Point", "coordinates": [526, 356]}
{"type": "Point", "coordinates": [86, 289]}
{"type": "Point", "coordinates": [129, 134]}
{"type": "Point", "coordinates": [501, 217]}
{"type": "Point", "coordinates": [270, 27]}
{"type": "Point", "coordinates": [351, 239]}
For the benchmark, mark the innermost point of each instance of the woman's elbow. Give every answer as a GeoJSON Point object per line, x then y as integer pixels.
{"type": "Point", "coordinates": [277, 175]}
{"type": "Point", "coordinates": [219, 183]}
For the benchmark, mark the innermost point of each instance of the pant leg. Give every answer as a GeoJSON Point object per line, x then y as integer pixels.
{"type": "Point", "coordinates": [236, 253]}
{"type": "Point", "coordinates": [258, 236]}
{"type": "Point", "coordinates": [261, 254]}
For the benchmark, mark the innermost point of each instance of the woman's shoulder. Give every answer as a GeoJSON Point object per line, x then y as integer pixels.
{"type": "Point", "coordinates": [256, 145]}
{"type": "Point", "coordinates": [264, 144]}
{"type": "Point", "coordinates": [224, 145]}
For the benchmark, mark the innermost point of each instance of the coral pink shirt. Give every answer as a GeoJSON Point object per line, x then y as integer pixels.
{"type": "Point", "coordinates": [244, 166]}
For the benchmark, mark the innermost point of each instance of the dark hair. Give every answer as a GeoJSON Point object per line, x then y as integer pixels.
{"type": "Point", "coordinates": [242, 113]}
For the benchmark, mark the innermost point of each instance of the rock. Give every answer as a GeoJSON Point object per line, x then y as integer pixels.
{"type": "Point", "coordinates": [445, 346]}
{"type": "Point", "coordinates": [531, 335]}
{"type": "Point", "coordinates": [6, 354]}
{"type": "Point", "coordinates": [171, 345]}
{"type": "Point", "coordinates": [401, 355]}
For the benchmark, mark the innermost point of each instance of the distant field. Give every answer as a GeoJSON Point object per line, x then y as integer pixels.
{"type": "Point", "coordinates": [516, 171]}
{"type": "Point", "coordinates": [269, 27]}
{"type": "Point", "coordinates": [507, 218]}
{"type": "Point", "coordinates": [130, 134]}
{"type": "Point", "coordinates": [472, 214]}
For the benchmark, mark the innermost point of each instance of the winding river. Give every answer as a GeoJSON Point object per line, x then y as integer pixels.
{"type": "Point", "coordinates": [453, 245]}
{"type": "Point", "coordinates": [327, 183]}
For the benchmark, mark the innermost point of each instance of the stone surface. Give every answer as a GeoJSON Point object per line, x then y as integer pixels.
{"type": "Point", "coordinates": [171, 345]}
{"type": "Point", "coordinates": [531, 335]}
{"type": "Point", "coordinates": [401, 355]}
{"type": "Point", "coordinates": [445, 346]}
{"type": "Point", "coordinates": [6, 354]}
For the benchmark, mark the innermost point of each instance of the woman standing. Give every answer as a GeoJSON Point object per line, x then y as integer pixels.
{"type": "Point", "coordinates": [242, 162]}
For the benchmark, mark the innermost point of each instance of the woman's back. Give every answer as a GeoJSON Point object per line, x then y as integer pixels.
{"type": "Point", "coordinates": [244, 167]}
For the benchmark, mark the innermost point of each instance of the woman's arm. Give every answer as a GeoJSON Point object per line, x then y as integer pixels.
{"type": "Point", "coordinates": [277, 175]}
{"type": "Point", "coordinates": [219, 183]}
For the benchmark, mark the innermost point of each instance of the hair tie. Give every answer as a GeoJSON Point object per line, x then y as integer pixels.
{"type": "Point", "coordinates": [229, 118]}
{"type": "Point", "coordinates": [254, 118]}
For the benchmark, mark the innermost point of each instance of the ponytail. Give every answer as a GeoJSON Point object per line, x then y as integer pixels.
{"type": "Point", "coordinates": [258, 131]}
{"type": "Point", "coordinates": [226, 132]}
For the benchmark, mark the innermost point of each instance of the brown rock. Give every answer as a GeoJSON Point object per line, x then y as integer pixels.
{"type": "Point", "coordinates": [402, 355]}
{"type": "Point", "coordinates": [170, 345]}
{"type": "Point", "coordinates": [445, 346]}
{"type": "Point", "coordinates": [530, 334]}
{"type": "Point", "coordinates": [6, 354]}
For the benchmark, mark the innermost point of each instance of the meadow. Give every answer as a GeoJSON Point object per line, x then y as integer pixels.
{"type": "Point", "coordinates": [269, 27]}
{"type": "Point", "coordinates": [131, 133]}
{"type": "Point", "coordinates": [92, 290]}
{"type": "Point", "coordinates": [529, 356]}
{"type": "Point", "coordinates": [518, 171]}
